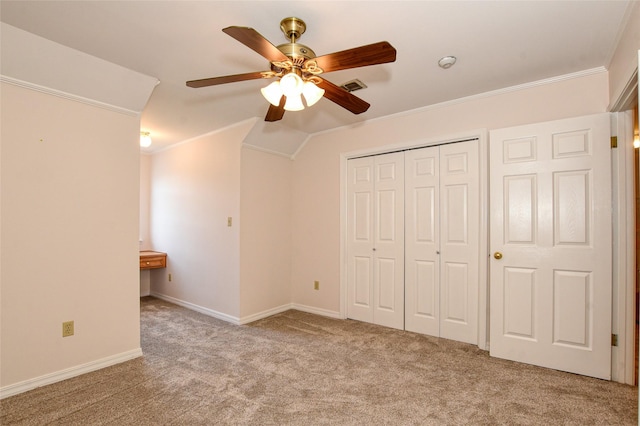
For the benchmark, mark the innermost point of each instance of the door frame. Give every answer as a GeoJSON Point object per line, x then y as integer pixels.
{"type": "Point", "coordinates": [623, 250]}
{"type": "Point", "coordinates": [623, 359]}
{"type": "Point", "coordinates": [483, 255]}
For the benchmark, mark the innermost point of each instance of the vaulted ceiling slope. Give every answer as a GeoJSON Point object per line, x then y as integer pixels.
{"type": "Point", "coordinates": [498, 44]}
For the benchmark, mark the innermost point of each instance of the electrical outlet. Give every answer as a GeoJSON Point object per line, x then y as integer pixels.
{"type": "Point", "coordinates": [229, 221]}
{"type": "Point", "coordinates": [67, 329]}
{"type": "Point", "coordinates": [170, 277]}
{"type": "Point", "coordinates": [316, 285]}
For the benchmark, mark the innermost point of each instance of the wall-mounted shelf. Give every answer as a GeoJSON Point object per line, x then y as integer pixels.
{"type": "Point", "coordinates": [152, 259]}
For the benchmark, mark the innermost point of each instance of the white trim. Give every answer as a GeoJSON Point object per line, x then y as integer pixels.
{"type": "Point", "coordinates": [198, 308]}
{"type": "Point", "coordinates": [265, 314]}
{"type": "Point", "coordinates": [624, 276]}
{"type": "Point", "coordinates": [629, 92]}
{"type": "Point", "coordinates": [497, 92]}
{"type": "Point", "coordinates": [68, 96]}
{"type": "Point", "coordinates": [68, 373]}
{"type": "Point", "coordinates": [301, 146]}
{"type": "Point", "coordinates": [483, 250]}
{"type": "Point", "coordinates": [213, 132]}
{"type": "Point", "coordinates": [483, 291]}
{"type": "Point", "coordinates": [316, 311]}
{"type": "Point", "coordinates": [250, 318]}
{"type": "Point", "coordinates": [629, 283]}
{"type": "Point", "coordinates": [266, 150]}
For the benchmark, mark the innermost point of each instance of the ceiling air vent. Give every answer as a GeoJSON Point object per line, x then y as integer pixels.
{"type": "Point", "coordinates": [353, 85]}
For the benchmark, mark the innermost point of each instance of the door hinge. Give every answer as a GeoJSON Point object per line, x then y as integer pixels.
{"type": "Point", "coordinates": [614, 141]}
{"type": "Point", "coordinates": [614, 340]}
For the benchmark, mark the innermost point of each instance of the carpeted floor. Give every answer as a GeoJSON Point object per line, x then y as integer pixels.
{"type": "Point", "coordinates": [301, 369]}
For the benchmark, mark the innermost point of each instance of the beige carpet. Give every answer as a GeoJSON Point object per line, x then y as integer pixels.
{"type": "Point", "coordinates": [301, 369]}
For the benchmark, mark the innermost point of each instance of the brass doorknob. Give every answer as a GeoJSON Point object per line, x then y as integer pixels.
{"type": "Point", "coordinates": [497, 255]}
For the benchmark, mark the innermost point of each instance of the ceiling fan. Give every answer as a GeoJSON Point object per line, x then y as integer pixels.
{"type": "Point", "coordinates": [298, 69]}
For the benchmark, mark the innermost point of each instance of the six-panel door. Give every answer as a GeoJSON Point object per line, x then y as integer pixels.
{"type": "Point", "coordinates": [550, 280]}
{"type": "Point", "coordinates": [375, 246]}
{"type": "Point", "coordinates": [441, 240]}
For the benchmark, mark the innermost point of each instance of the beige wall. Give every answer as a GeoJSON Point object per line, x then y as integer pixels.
{"type": "Point", "coordinates": [195, 187]}
{"type": "Point", "coordinates": [145, 202]}
{"type": "Point", "coordinates": [625, 59]}
{"type": "Point", "coordinates": [69, 243]}
{"type": "Point", "coordinates": [232, 272]}
{"type": "Point", "coordinates": [265, 232]}
{"type": "Point", "coordinates": [316, 170]}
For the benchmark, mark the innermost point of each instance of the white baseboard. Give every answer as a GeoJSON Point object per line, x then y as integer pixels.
{"type": "Point", "coordinates": [265, 314]}
{"type": "Point", "coordinates": [317, 311]}
{"type": "Point", "coordinates": [198, 308]}
{"type": "Point", "coordinates": [249, 318]}
{"type": "Point", "coordinates": [68, 373]}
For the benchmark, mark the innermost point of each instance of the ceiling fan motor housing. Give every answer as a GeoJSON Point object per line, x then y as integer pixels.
{"type": "Point", "coordinates": [292, 28]}
{"type": "Point", "coordinates": [297, 51]}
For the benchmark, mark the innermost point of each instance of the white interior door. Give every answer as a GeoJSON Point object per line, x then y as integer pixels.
{"type": "Point", "coordinates": [375, 245]}
{"type": "Point", "coordinates": [550, 198]}
{"type": "Point", "coordinates": [442, 241]}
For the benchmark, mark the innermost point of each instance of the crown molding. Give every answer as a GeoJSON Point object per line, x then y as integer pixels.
{"type": "Point", "coordinates": [68, 96]}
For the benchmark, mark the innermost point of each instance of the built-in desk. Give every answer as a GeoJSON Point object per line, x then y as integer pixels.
{"type": "Point", "coordinates": [152, 259]}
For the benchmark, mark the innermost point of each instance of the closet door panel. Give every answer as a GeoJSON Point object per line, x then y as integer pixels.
{"type": "Point", "coordinates": [413, 240]}
{"type": "Point", "coordinates": [388, 248]}
{"type": "Point", "coordinates": [375, 239]}
{"type": "Point", "coordinates": [422, 206]}
{"type": "Point", "coordinates": [360, 240]}
{"type": "Point", "coordinates": [460, 237]}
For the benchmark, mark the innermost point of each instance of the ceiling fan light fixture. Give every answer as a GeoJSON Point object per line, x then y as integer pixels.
{"type": "Point", "coordinates": [295, 63]}
{"type": "Point", "coordinates": [272, 93]}
{"type": "Point", "coordinates": [291, 84]}
{"type": "Point", "coordinates": [311, 93]}
{"type": "Point", "coordinates": [294, 103]}
{"type": "Point", "coordinates": [145, 139]}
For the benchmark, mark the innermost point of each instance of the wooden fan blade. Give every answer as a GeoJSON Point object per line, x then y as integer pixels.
{"type": "Point", "coordinates": [372, 54]}
{"type": "Point", "coordinates": [253, 40]}
{"type": "Point", "coordinates": [276, 113]}
{"type": "Point", "coordinates": [342, 97]}
{"type": "Point", "coordinates": [225, 79]}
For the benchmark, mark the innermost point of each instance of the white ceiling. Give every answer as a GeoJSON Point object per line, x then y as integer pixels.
{"type": "Point", "coordinates": [498, 44]}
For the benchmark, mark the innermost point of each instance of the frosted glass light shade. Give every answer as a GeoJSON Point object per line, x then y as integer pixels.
{"type": "Point", "coordinates": [291, 85]}
{"type": "Point", "coordinates": [311, 93]}
{"type": "Point", "coordinates": [294, 103]}
{"type": "Point", "coordinates": [145, 139]}
{"type": "Point", "coordinates": [272, 93]}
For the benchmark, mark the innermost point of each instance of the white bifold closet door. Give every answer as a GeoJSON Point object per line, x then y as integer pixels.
{"type": "Point", "coordinates": [442, 240]}
{"type": "Point", "coordinates": [413, 226]}
{"type": "Point", "coordinates": [375, 245]}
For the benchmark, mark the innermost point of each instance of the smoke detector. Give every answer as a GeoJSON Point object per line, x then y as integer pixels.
{"type": "Point", "coordinates": [447, 62]}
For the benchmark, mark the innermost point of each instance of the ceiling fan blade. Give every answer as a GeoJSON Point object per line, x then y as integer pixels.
{"type": "Point", "coordinates": [276, 113]}
{"type": "Point", "coordinates": [225, 79]}
{"type": "Point", "coordinates": [342, 97]}
{"type": "Point", "coordinates": [372, 54]}
{"type": "Point", "coordinates": [253, 40]}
